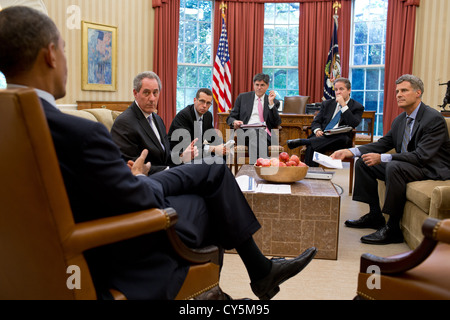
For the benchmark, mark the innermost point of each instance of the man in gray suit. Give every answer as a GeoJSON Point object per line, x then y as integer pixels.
{"type": "Point", "coordinates": [256, 107]}
{"type": "Point", "coordinates": [420, 138]}
{"type": "Point", "coordinates": [139, 127]}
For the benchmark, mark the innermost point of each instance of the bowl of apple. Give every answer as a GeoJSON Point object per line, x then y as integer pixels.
{"type": "Point", "coordinates": [285, 169]}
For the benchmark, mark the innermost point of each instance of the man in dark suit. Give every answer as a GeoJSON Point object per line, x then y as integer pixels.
{"type": "Point", "coordinates": [345, 112]}
{"type": "Point", "coordinates": [420, 138]}
{"type": "Point", "coordinates": [139, 127]}
{"type": "Point", "coordinates": [100, 184]}
{"type": "Point", "coordinates": [256, 107]}
{"type": "Point", "coordinates": [195, 121]}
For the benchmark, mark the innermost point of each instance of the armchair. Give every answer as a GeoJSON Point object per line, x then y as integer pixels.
{"type": "Point", "coordinates": [421, 274]}
{"type": "Point", "coordinates": [39, 240]}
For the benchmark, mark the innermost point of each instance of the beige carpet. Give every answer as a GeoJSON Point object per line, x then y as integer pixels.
{"type": "Point", "coordinates": [322, 279]}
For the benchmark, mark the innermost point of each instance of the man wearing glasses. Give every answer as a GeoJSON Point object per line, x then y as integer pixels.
{"type": "Point", "coordinates": [196, 122]}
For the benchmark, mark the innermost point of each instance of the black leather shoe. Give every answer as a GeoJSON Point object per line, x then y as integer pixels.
{"type": "Point", "coordinates": [294, 143]}
{"type": "Point", "coordinates": [385, 235]}
{"type": "Point", "coordinates": [281, 270]}
{"type": "Point", "coordinates": [367, 221]}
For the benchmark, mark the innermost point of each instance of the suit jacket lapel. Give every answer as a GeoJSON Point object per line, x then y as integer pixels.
{"type": "Point", "coordinates": [143, 122]}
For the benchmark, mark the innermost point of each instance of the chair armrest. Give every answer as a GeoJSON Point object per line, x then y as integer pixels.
{"type": "Point", "coordinates": [202, 255]}
{"type": "Point", "coordinates": [91, 234]}
{"type": "Point", "coordinates": [434, 230]}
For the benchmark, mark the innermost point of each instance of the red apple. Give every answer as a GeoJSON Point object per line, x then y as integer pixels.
{"type": "Point", "coordinates": [265, 163]}
{"type": "Point", "coordinates": [282, 164]}
{"type": "Point", "coordinates": [291, 163]}
{"type": "Point", "coordinates": [259, 162]}
{"type": "Point", "coordinates": [274, 162]}
{"type": "Point", "coordinates": [295, 158]}
{"type": "Point", "coordinates": [302, 164]}
{"type": "Point", "coordinates": [284, 157]}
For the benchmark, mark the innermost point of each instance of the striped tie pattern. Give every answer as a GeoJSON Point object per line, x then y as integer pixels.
{"type": "Point", "coordinates": [407, 134]}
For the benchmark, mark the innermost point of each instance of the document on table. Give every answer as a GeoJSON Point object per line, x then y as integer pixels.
{"type": "Point", "coordinates": [247, 183]}
{"type": "Point", "coordinates": [274, 188]}
{"type": "Point", "coordinates": [326, 161]}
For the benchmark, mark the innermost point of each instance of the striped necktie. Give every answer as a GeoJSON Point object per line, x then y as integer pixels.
{"type": "Point", "coordinates": [407, 134]}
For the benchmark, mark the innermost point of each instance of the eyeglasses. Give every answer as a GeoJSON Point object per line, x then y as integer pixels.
{"type": "Point", "coordinates": [208, 103]}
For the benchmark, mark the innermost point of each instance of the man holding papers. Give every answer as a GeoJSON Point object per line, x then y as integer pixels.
{"type": "Point", "coordinates": [343, 111]}
{"type": "Point", "coordinates": [420, 138]}
{"type": "Point", "coordinates": [251, 109]}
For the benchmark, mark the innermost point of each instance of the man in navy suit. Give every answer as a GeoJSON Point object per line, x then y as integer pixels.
{"type": "Point", "coordinates": [256, 107]}
{"type": "Point", "coordinates": [139, 127]}
{"type": "Point", "coordinates": [209, 203]}
{"type": "Point", "coordinates": [195, 121]}
{"type": "Point", "coordinates": [345, 110]}
{"type": "Point", "coordinates": [420, 138]}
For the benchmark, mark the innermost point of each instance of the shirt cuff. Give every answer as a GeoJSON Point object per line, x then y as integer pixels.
{"type": "Point", "coordinates": [343, 109]}
{"type": "Point", "coordinates": [355, 151]}
{"type": "Point", "coordinates": [386, 157]}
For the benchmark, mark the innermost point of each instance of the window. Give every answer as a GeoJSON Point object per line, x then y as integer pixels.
{"type": "Point", "coordinates": [2, 81]}
{"type": "Point", "coordinates": [280, 61]}
{"type": "Point", "coordinates": [195, 52]}
{"type": "Point", "coordinates": [368, 56]}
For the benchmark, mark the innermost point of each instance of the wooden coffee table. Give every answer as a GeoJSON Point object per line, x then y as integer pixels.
{"type": "Point", "coordinates": [307, 217]}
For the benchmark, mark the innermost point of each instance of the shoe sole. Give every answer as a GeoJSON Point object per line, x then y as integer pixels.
{"type": "Point", "coordinates": [381, 242]}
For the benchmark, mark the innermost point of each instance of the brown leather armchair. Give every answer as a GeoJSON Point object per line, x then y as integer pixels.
{"type": "Point", "coordinates": [39, 240]}
{"type": "Point", "coordinates": [421, 274]}
{"type": "Point", "coordinates": [295, 104]}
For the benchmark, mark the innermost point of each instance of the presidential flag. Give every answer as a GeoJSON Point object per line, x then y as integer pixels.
{"type": "Point", "coordinates": [222, 74]}
{"type": "Point", "coordinates": [333, 66]}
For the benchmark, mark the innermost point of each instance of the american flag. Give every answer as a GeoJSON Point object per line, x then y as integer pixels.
{"type": "Point", "coordinates": [221, 73]}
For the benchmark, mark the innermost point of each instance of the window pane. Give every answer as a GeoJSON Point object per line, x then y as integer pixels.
{"type": "Point", "coordinates": [190, 54]}
{"type": "Point", "coordinates": [205, 77]}
{"type": "Point", "coordinates": [293, 57]}
{"type": "Point", "coordinates": [282, 16]}
{"type": "Point", "coordinates": [181, 76]}
{"type": "Point", "coordinates": [280, 56]}
{"type": "Point", "coordinates": [360, 55]}
{"type": "Point", "coordinates": [358, 79]}
{"type": "Point", "coordinates": [281, 36]}
{"type": "Point", "coordinates": [358, 96]}
{"type": "Point", "coordinates": [292, 79]}
{"type": "Point", "coordinates": [268, 56]}
{"type": "Point", "coordinates": [268, 35]}
{"type": "Point", "coordinates": [2, 81]}
{"type": "Point", "coordinates": [269, 13]}
{"type": "Point", "coordinates": [361, 33]}
{"type": "Point", "coordinates": [375, 52]}
{"type": "Point", "coordinates": [373, 79]}
{"type": "Point", "coordinates": [371, 101]}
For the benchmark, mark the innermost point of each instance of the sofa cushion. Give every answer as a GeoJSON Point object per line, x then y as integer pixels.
{"type": "Point", "coordinates": [80, 113]}
{"type": "Point", "coordinates": [419, 192]}
{"type": "Point", "coordinates": [102, 115]}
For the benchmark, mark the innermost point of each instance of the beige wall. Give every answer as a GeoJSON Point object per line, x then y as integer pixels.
{"type": "Point", "coordinates": [134, 20]}
{"type": "Point", "coordinates": [432, 49]}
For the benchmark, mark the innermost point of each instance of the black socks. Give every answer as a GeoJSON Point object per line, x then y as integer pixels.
{"type": "Point", "coordinates": [257, 265]}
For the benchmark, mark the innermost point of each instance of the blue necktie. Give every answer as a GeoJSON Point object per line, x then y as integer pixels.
{"type": "Point", "coordinates": [407, 134]}
{"type": "Point", "coordinates": [334, 121]}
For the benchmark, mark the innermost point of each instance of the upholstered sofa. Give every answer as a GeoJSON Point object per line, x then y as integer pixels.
{"type": "Point", "coordinates": [425, 199]}
{"type": "Point", "coordinates": [102, 115]}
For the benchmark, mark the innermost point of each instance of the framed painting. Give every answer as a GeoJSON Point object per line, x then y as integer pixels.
{"type": "Point", "coordinates": [99, 57]}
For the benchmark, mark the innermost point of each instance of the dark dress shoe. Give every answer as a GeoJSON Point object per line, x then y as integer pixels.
{"type": "Point", "coordinates": [282, 270]}
{"type": "Point", "coordinates": [294, 143]}
{"type": "Point", "coordinates": [367, 221]}
{"type": "Point", "coordinates": [385, 235]}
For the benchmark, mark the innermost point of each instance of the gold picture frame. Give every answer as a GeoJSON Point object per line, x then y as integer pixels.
{"type": "Point", "coordinates": [99, 57]}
